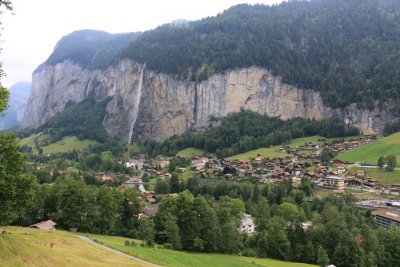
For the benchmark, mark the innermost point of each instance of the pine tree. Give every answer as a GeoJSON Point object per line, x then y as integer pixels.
{"type": "Point", "coordinates": [322, 257]}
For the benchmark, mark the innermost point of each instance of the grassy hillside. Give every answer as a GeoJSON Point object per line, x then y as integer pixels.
{"type": "Point", "coordinates": [370, 153]}
{"type": "Point", "coordinates": [66, 144]}
{"type": "Point", "coordinates": [30, 140]}
{"type": "Point", "coordinates": [183, 259]}
{"type": "Point", "coordinates": [31, 247]}
{"type": "Point", "coordinates": [273, 151]}
{"type": "Point", "coordinates": [190, 152]}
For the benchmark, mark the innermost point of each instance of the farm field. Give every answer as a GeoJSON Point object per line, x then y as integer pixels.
{"type": "Point", "coordinates": [370, 153]}
{"type": "Point", "coordinates": [183, 259]}
{"type": "Point", "coordinates": [190, 152]}
{"type": "Point", "coordinates": [66, 144]}
{"type": "Point", "coordinates": [382, 176]}
{"type": "Point", "coordinates": [33, 247]}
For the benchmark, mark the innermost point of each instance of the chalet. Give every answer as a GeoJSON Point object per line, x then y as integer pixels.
{"type": "Point", "coordinates": [341, 169]}
{"type": "Point", "coordinates": [247, 224]}
{"type": "Point", "coordinates": [339, 163]}
{"type": "Point", "coordinates": [395, 188]}
{"type": "Point", "coordinates": [200, 161]}
{"type": "Point", "coordinates": [355, 182]}
{"type": "Point", "coordinates": [45, 225]}
{"type": "Point", "coordinates": [351, 175]}
{"type": "Point", "coordinates": [148, 211]}
{"type": "Point", "coordinates": [162, 162]}
{"type": "Point", "coordinates": [138, 164]}
{"type": "Point", "coordinates": [360, 173]}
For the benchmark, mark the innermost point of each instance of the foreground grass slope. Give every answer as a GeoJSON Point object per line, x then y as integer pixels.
{"type": "Point", "coordinates": [31, 247]}
{"type": "Point", "coordinates": [182, 259]}
{"type": "Point", "coordinates": [370, 153]}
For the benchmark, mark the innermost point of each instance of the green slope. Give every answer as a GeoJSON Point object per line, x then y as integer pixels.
{"type": "Point", "coordinates": [190, 152]}
{"type": "Point", "coordinates": [370, 153]}
{"type": "Point", "coordinates": [66, 144]}
{"type": "Point", "coordinates": [182, 259]}
{"type": "Point", "coordinates": [273, 151]}
{"type": "Point", "coordinates": [32, 247]}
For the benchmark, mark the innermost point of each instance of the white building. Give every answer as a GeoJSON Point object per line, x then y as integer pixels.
{"type": "Point", "coordinates": [247, 224]}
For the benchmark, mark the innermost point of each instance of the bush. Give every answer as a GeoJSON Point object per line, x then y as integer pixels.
{"type": "Point", "coordinates": [168, 246]}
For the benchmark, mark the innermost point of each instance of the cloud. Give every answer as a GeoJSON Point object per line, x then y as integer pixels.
{"type": "Point", "coordinates": [30, 35]}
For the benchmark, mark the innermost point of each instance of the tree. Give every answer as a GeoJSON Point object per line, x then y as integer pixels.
{"type": "Point", "coordinates": [16, 187]}
{"type": "Point", "coordinates": [326, 155]}
{"type": "Point", "coordinates": [391, 162]}
{"type": "Point", "coordinates": [175, 183]}
{"type": "Point", "coordinates": [230, 241]}
{"type": "Point", "coordinates": [147, 232]}
{"type": "Point", "coordinates": [322, 257]}
{"type": "Point", "coordinates": [162, 187]}
{"type": "Point", "coordinates": [273, 241]}
{"type": "Point", "coordinates": [381, 161]}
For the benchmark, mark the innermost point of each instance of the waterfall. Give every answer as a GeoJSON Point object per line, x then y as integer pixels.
{"type": "Point", "coordinates": [137, 103]}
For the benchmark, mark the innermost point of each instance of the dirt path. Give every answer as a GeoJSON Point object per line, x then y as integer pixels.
{"type": "Point", "coordinates": [86, 239]}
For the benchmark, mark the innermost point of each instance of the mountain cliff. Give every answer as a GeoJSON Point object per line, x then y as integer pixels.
{"type": "Point", "coordinates": [154, 105]}
{"type": "Point", "coordinates": [19, 94]}
{"type": "Point", "coordinates": [312, 59]}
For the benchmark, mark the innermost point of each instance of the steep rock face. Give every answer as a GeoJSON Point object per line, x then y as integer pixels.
{"type": "Point", "coordinates": [155, 105]}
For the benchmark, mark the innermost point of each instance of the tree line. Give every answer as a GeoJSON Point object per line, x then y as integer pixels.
{"type": "Point", "coordinates": [206, 218]}
{"type": "Point", "coordinates": [248, 130]}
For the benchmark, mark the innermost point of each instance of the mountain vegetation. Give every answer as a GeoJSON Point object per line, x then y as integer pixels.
{"type": "Point", "coordinates": [347, 50]}
{"type": "Point", "coordinates": [83, 119]}
{"type": "Point", "coordinates": [248, 130]}
{"type": "Point", "coordinates": [89, 48]}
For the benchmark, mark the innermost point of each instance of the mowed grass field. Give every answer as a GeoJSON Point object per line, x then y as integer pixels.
{"type": "Point", "coordinates": [29, 141]}
{"type": "Point", "coordinates": [370, 153]}
{"type": "Point", "coordinates": [273, 151]}
{"type": "Point", "coordinates": [33, 247]}
{"type": "Point", "coordinates": [66, 144]}
{"type": "Point", "coordinates": [190, 152]}
{"type": "Point", "coordinates": [183, 259]}
{"type": "Point", "coordinates": [383, 176]}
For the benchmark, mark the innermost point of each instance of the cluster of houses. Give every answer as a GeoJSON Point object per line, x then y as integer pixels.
{"type": "Point", "coordinates": [294, 163]}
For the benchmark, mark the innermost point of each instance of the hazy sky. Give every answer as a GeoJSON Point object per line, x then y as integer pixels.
{"type": "Point", "coordinates": [30, 35]}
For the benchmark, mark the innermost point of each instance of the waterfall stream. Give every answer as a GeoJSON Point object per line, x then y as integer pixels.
{"type": "Point", "coordinates": [137, 103]}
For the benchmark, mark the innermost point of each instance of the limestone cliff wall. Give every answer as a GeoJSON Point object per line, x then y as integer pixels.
{"type": "Point", "coordinates": [155, 105]}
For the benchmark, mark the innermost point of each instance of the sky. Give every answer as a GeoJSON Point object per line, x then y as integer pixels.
{"type": "Point", "coordinates": [30, 34]}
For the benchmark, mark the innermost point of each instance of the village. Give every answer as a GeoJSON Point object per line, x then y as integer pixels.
{"type": "Point", "coordinates": [296, 163]}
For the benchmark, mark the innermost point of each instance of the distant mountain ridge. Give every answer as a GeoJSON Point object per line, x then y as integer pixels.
{"type": "Point", "coordinates": [19, 95]}
{"type": "Point", "coordinates": [312, 59]}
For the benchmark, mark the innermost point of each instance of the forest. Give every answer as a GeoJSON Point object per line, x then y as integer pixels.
{"type": "Point", "coordinates": [248, 130]}
{"type": "Point", "coordinates": [83, 119]}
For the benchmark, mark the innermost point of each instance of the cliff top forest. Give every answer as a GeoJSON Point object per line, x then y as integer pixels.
{"type": "Point", "coordinates": [347, 50]}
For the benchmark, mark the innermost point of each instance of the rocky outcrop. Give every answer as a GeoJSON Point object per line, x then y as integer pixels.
{"type": "Point", "coordinates": [155, 105]}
